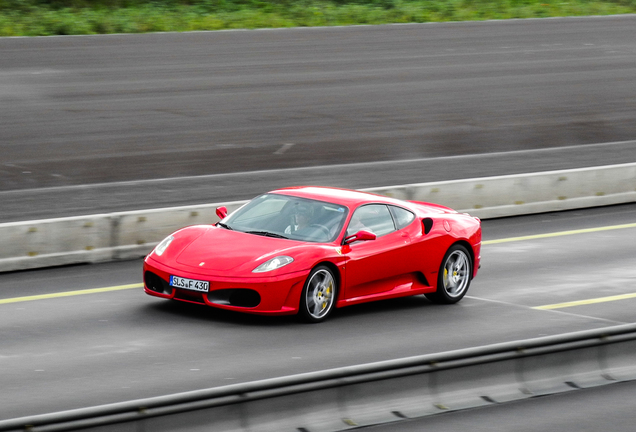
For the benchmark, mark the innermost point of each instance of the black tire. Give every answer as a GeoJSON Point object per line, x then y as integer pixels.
{"type": "Point", "coordinates": [318, 298]}
{"type": "Point", "coordinates": [454, 276]}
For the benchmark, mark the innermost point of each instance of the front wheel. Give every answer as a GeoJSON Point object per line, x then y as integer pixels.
{"type": "Point", "coordinates": [454, 276]}
{"type": "Point", "coordinates": [319, 295]}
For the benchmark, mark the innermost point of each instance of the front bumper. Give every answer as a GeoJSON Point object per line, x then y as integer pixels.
{"type": "Point", "coordinates": [260, 295]}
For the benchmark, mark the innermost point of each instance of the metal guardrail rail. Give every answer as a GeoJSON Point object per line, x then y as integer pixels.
{"type": "Point", "coordinates": [377, 392]}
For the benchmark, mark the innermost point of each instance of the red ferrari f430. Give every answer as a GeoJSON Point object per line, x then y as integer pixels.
{"type": "Point", "coordinates": [308, 250]}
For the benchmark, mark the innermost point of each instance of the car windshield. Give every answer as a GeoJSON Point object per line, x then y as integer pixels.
{"type": "Point", "coordinates": [289, 217]}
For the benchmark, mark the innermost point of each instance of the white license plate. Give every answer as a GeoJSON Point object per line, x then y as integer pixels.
{"type": "Point", "coordinates": [189, 284]}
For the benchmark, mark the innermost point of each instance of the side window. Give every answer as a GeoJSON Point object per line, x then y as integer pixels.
{"type": "Point", "coordinates": [374, 218]}
{"type": "Point", "coordinates": [402, 217]}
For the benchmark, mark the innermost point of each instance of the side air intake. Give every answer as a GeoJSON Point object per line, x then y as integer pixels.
{"type": "Point", "coordinates": [428, 225]}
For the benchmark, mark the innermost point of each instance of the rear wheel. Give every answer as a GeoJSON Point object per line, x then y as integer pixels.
{"type": "Point", "coordinates": [454, 276]}
{"type": "Point", "coordinates": [319, 295]}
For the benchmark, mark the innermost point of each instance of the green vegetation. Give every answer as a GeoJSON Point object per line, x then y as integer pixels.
{"type": "Point", "coordinates": [64, 17]}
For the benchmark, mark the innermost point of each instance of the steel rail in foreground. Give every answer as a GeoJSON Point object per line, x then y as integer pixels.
{"type": "Point", "coordinates": [548, 348]}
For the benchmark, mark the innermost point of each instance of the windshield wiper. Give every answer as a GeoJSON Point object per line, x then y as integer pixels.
{"type": "Point", "coordinates": [221, 224]}
{"type": "Point", "coordinates": [267, 234]}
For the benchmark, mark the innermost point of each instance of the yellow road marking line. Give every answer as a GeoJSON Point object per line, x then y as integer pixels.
{"type": "Point", "coordinates": [70, 293]}
{"type": "Point", "coordinates": [586, 302]}
{"type": "Point", "coordinates": [559, 234]}
{"type": "Point", "coordinates": [565, 233]}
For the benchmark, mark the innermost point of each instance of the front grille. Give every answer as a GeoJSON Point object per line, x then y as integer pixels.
{"type": "Point", "coordinates": [189, 296]}
{"type": "Point", "coordinates": [240, 297]}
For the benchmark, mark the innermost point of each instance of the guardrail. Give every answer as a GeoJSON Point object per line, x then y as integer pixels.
{"type": "Point", "coordinates": [123, 235]}
{"type": "Point", "coordinates": [374, 393]}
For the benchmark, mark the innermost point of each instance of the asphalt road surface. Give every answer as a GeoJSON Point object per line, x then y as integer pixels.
{"type": "Point", "coordinates": [103, 123]}
{"type": "Point", "coordinates": [122, 122]}
{"type": "Point", "coordinates": [69, 351]}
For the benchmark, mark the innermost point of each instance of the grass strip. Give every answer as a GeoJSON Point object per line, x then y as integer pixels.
{"type": "Point", "coordinates": [75, 17]}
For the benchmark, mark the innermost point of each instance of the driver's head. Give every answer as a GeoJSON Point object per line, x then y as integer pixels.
{"type": "Point", "coordinates": [303, 214]}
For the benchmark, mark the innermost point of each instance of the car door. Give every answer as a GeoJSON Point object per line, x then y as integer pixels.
{"type": "Point", "coordinates": [373, 266]}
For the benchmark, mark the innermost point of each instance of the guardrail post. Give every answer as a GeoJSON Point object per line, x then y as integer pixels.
{"type": "Point", "coordinates": [603, 364]}
{"type": "Point", "coordinates": [243, 414]}
{"type": "Point", "coordinates": [433, 388]}
{"type": "Point", "coordinates": [520, 376]}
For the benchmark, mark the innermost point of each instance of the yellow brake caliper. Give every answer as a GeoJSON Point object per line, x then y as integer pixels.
{"type": "Point", "coordinates": [327, 293]}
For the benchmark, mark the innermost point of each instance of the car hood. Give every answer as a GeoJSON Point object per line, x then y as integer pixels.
{"type": "Point", "coordinates": [219, 250]}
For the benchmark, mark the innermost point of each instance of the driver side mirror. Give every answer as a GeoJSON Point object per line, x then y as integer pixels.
{"type": "Point", "coordinates": [221, 212]}
{"type": "Point", "coordinates": [360, 236]}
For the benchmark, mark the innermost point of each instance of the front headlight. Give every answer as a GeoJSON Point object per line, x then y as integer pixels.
{"type": "Point", "coordinates": [273, 264]}
{"type": "Point", "coordinates": [161, 247]}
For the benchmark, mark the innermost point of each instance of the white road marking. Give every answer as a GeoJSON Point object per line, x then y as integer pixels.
{"type": "Point", "coordinates": [284, 148]}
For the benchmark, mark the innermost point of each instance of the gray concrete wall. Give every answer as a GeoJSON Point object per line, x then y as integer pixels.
{"type": "Point", "coordinates": [124, 235]}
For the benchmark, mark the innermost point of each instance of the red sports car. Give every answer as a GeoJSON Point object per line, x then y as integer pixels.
{"type": "Point", "coordinates": [306, 250]}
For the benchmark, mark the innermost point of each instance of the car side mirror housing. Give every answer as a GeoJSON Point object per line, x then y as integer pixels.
{"type": "Point", "coordinates": [360, 236]}
{"type": "Point", "coordinates": [221, 212]}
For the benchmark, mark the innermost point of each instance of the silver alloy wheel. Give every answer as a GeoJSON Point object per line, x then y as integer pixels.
{"type": "Point", "coordinates": [456, 273]}
{"type": "Point", "coordinates": [320, 293]}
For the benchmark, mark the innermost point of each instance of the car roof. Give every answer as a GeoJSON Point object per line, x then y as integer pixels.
{"type": "Point", "coordinates": [347, 197]}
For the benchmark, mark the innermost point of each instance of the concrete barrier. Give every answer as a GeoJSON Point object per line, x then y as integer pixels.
{"type": "Point", "coordinates": [124, 235]}
{"type": "Point", "coordinates": [371, 394]}
{"type": "Point", "coordinates": [96, 238]}
{"type": "Point", "coordinates": [511, 195]}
